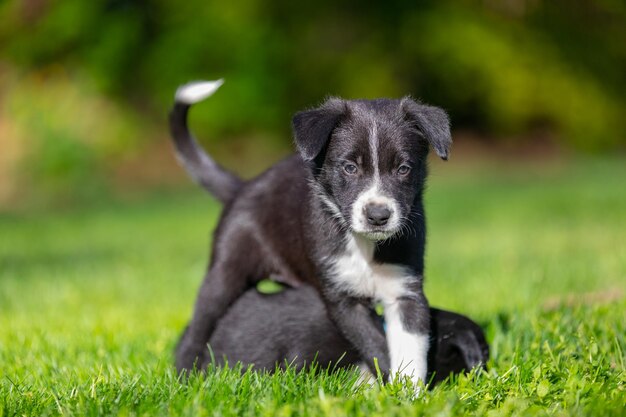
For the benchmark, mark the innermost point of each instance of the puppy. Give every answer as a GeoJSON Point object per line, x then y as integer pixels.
{"type": "Point", "coordinates": [344, 215]}
{"type": "Point", "coordinates": [292, 327]}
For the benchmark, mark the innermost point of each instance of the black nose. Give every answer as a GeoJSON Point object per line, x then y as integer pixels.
{"type": "Point", "coordinates": [377, 214]}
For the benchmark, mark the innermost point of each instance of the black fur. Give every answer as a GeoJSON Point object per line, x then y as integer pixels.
{"type": "Point", "coordinates": [212, 177]}
{"type": "Point", "coordinates": [292, 327]}
{"type": "Point", "coordinates": [293, 220]}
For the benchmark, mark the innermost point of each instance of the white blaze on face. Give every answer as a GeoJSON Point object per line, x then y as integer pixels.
{"type": "Point", "coordinates": [408, 351]}
{"type": "Point", "coordinates": [374, 195]}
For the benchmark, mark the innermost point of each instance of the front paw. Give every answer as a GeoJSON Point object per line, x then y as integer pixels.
{"type": "Point", "coordinates": [413, 375]}
{"type": "Point", "coordinates": [409, 356]}
{"type": "Point", "coordinates": [413, 383]}
{"type": "Point", "coordinates": [189, 357]}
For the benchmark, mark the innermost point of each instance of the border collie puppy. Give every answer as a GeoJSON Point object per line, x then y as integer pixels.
{"type": "Point", "coordinates": [344, 215]}
{"type": "Point", "coordinates": [269, 331]}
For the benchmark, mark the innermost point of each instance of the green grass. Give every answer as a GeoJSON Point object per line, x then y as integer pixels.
{"type": "Point", "coordinates": [92, 300]}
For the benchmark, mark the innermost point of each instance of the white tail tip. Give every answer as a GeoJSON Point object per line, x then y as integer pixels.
{"type": "Point", "coordinates": [196, 91]}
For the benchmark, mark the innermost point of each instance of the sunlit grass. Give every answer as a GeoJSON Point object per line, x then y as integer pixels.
{"type": "Point", "coordinates": [92, 301]}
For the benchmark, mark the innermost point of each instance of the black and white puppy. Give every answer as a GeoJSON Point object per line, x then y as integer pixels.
{"type": "Point", "coordinates": [344, 215]}
{"type": "Point", "coordinates": [292, 327]}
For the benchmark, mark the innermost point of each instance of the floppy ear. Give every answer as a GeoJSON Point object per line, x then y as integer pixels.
{"type": "Point", "coordinates": [432, 122]}
{"type": "Point", "coordinates": [312, 128]}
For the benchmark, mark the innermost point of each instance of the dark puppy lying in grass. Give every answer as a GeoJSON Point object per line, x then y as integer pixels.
{"type": "Point", "coordinates": [292, 327]}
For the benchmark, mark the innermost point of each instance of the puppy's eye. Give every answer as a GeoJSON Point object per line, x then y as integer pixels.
{"type": "Point", "coordinates": [350, 169]}
{"type": "Point", "coordinates": [404, 170]}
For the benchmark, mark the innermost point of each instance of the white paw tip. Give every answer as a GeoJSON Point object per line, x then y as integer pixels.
{"type": "Point", "coordinates": [196, 91]}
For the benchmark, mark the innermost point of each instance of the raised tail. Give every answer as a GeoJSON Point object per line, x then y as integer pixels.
{"type": "Point", "coordinates": [202, 168]}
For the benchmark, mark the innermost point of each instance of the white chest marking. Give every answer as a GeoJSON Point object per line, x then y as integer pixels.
{"type": "Point", "coordinates": [358, 274]}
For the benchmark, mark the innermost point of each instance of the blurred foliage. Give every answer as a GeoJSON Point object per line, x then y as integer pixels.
{"type": "Point", "coordinates": [86, 83]}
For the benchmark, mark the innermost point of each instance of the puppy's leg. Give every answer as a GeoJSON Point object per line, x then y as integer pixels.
{"type": "Point", "coordinates": [408, 325]}
{"type": "Point", "coordinates": [222, 285]}
{"type": "Point", "coordinates": [356, 323]}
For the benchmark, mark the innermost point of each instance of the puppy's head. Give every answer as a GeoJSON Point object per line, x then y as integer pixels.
{"type": "Point", "coordinates": [369, 158]}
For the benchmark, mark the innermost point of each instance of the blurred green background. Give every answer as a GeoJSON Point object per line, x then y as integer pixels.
{"type": "Point", "coordinates": [85, 85]}
{"type": "Point", "coordinates": [104, 240]}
